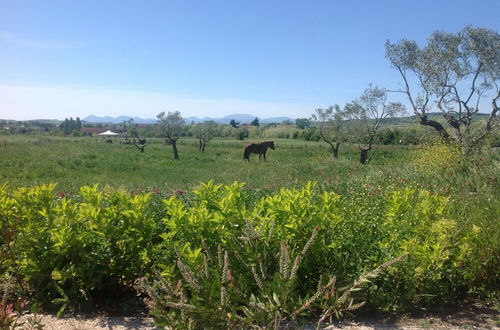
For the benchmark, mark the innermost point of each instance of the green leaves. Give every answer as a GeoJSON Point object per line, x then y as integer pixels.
{"type": "Point", "coordinates": [102, 241]}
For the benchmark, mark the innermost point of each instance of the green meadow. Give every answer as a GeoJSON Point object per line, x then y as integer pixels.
{"type": "Point", "coordinates": [72, 162]}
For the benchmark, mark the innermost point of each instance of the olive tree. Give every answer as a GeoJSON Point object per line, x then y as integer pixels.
{"type": "Point", "coordinates": [456, 73]}
{"type": "Point", "coordinates": [170, 126]}
{"type": "Point", "coordinates": [364, 116]}
{"type": "Point", "coordinates": [131, 129]}
{"type": "Point", "coordinates": [204, 132]}
{"type": "Point", "coordinates": [330, 123]}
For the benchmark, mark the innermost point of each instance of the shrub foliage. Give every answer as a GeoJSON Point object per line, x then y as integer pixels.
{"type": "Point", "coordinates": [221, 257]}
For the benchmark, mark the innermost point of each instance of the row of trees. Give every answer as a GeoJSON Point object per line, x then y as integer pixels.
{"type": "Point", "coordinates": [68, 126]}
{"type": "Point", "coordinates": [361, 118]}
{"type": "Point", "coordinates": [333, 125]}
{"type": "Point", "coordinates": [170, 127]}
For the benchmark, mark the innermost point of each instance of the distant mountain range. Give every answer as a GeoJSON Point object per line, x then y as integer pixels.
{"type": "Point", "coordinates": [118, 120]}
{"type": "Point", "coordinates": [241, 118]}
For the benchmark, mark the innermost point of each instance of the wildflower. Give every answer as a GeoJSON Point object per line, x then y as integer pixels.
{"type": "Point", "coordinates": [157, 191]}
{"type": "Point", "coordinates": [61, 194]}
{"type": "Point", "coordinates": [181, 192]}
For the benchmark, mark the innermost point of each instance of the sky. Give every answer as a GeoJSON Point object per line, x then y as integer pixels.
{"type": "Point", "coordinates": [213, 58]}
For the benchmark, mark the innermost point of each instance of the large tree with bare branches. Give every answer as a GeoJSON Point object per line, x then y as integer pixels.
{"type": "Point", "coordinates": [456, 73]}
{"type": "Point", "coordinates": [364, 116]}
{"type": "Point", "coordinates": [330, 123]}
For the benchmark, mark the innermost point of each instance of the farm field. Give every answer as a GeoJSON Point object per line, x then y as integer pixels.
{"type": "Point", "coordinates": [73, 162]}
{"type": "Point", "coordinates": [299, 238]}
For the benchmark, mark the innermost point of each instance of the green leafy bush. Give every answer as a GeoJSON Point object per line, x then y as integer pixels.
{"type": "Point", "coordinates": [227, 258]}
{"type": "Point", "coordinates": [72, 248]}
{"type": "Point", "coordinates": [212, 293]}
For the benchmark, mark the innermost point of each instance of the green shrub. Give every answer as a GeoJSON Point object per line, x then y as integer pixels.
{"type": "Point", "coordinates": [213, 293]}
{"type": "Point", "coordinates": [73, 248]}
{"type": "Point", "coordinates": [232, 254]}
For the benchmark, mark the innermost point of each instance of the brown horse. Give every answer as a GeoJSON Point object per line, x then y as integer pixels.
{"type": "Point", "coordinates": [257, 148]}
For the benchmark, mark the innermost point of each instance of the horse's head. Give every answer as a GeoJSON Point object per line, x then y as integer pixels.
{"type": "Point", "coordinates": [271, 144]}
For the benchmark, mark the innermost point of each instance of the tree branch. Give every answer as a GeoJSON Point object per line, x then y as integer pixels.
{"type": "Point", "coordinates": [395, 91]}
{"type": "Point", "coordinates": [407, 92]}
{"type": "Point", "coordinates": [491, 121]}
{"type": "Point", "coordinates": [473, 88]}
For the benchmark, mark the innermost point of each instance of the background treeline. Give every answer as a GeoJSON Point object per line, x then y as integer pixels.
{"type": "Point", "coordinates": [403, 130]}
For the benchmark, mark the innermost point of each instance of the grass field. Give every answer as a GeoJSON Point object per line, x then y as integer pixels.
{"type": "Point", "coordinates": [73, 162]}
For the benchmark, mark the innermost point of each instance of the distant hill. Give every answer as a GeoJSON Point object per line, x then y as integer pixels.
{"type": "Point", "coordinates": [30, 121]}
{"type": "Point", "coordinates": [118, 120]}
{"type": "Point", "coordinates": [245, 118]}
{"type": "Point", "coordinates": [241, 118]}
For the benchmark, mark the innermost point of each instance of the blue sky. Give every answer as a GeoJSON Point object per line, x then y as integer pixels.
{"type": "Point", "coordinates": [207, 58]}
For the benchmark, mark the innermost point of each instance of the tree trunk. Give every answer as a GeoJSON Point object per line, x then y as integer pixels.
{"type": "Point", "coordinates": [174, 148]}
{"type": "Point", "coordinates": [140, 147]}
{"type": "Point", "coordinates": [201, 147]}
{"type": "Point", "coordinates": [334, 147]}
{"type": "Point", "coordinates": [363, 155]}
{"type": "Point", "coordinates": [335, 150]}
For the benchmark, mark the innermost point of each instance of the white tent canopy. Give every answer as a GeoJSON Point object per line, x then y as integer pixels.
{"type": "Point", "coordinates": [108, 133]}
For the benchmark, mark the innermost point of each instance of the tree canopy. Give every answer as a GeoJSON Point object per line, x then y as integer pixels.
{"type": "Point", "coordinates": [455, 72]}
{"type": "Point", "coordinates": [331, 125]}
{"type": "Point", "coordinates": [365, 115]}
{"type": "Point", "coordinates": [170, 125]}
